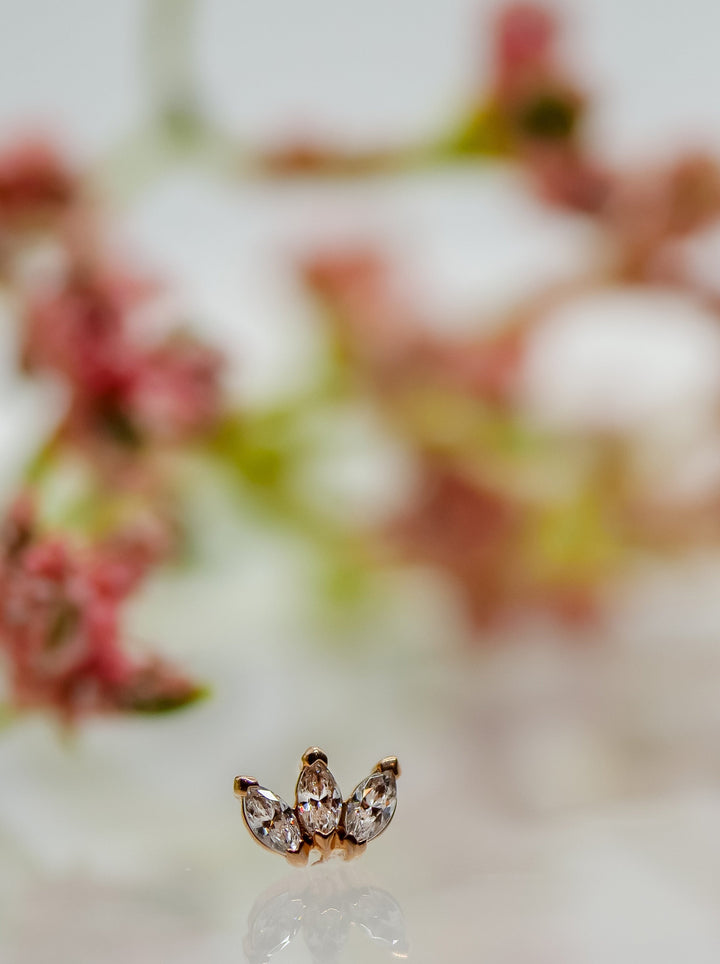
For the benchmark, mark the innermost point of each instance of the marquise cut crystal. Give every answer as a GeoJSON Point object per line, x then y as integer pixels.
{"type": "Point", "coordinates": [272, 821]}
{"type": "Point", "coordinates": [371, 807]}
{"type": "Point", "coordinates": [319, 801]}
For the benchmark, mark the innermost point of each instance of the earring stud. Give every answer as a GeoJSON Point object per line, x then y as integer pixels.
{"type": "Point", "coordinates": [320, 821]}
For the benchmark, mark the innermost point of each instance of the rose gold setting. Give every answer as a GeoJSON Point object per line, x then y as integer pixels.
{"type": "Point", "coordinates": [336, 843]}
{"type": "Point", "coordinates": [312, 755]}
{"type": "Point", "coordinates": [389, 763]}
{"type": "Point", "coordinates": [243, 784]}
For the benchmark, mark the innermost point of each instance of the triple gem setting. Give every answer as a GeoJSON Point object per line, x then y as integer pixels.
{"type": "Point", "coordinates": [320, 820]}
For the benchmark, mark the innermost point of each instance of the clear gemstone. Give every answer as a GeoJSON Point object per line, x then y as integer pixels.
{"type": "Point", "coordinates": [371, 807]}
{"type": "Point", "coordinates": [272, 821]}
{"type": "Point", "coordinates": [319, 801]}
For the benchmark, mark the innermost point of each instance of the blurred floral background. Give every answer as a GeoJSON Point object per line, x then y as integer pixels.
{"type": "Point", "coordinates": [360, 368]}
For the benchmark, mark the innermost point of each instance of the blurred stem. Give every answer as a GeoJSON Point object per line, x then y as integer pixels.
{"type": "Point", "coordinates": [264, 466]}
{"type": "Point", "coordinates": [8, 716]}
{"type": "Point", "coordinates": [170, 65]}
{"type": "Point", "coordinates": [42, 461]}
{"type": "Point", "coordinates": [261, 458]}
{"type": "Point", "coordinates": [176, 129]}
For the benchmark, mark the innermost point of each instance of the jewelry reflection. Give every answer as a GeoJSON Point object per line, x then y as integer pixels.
{"type": "Point", "coordinates": [323, 907]}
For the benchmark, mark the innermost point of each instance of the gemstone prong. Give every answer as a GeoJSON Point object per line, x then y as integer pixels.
{"type": "Point", "coordinates": [300, 858]}
{"type": "Point", "coordinates": [350, 848]}
{"type": "Point", "coordinates": [312, 755]}
{"type": "Point", "coordinates": [243, 784]}
{"type": "Point", "coordinates": [389, 763]}
{"type": "Point", "coordinates": [324, 845]}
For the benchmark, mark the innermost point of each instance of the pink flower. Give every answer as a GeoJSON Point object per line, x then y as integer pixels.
{"type": "Point", "coordinates": [468, 531]}
{"type": "Point", "coordinates": [563, 174]}
{"type": "Point", "coordinates": [120, 562]}
{"type": "Point", "coordinates": [536, 110]}
{"type": "Point", "coordinates": [177, 395]}
{"type": "Point", "coordinates": [81, 332]}
{"type": "Point", "coordinates": [650, 211]}
{"type": "Point", "coordinates": [476, 534]}
{"type": "Point", "coordinates": [529, 87]}
{"type": "Point", "coordinates": [372, 322]}
{"type": "Point", "coordinates": [122, 392]}
{"type": "Point", "coordinates": [474, 531]}
{"type": "Point", "coordinates": [60, 613]}
{"type": "Point", "coordinates": [35, 185]}
{"type": "Point", "coordinates": [387, 341]}
{"type": "Point", "coordinates": [525, 37]}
